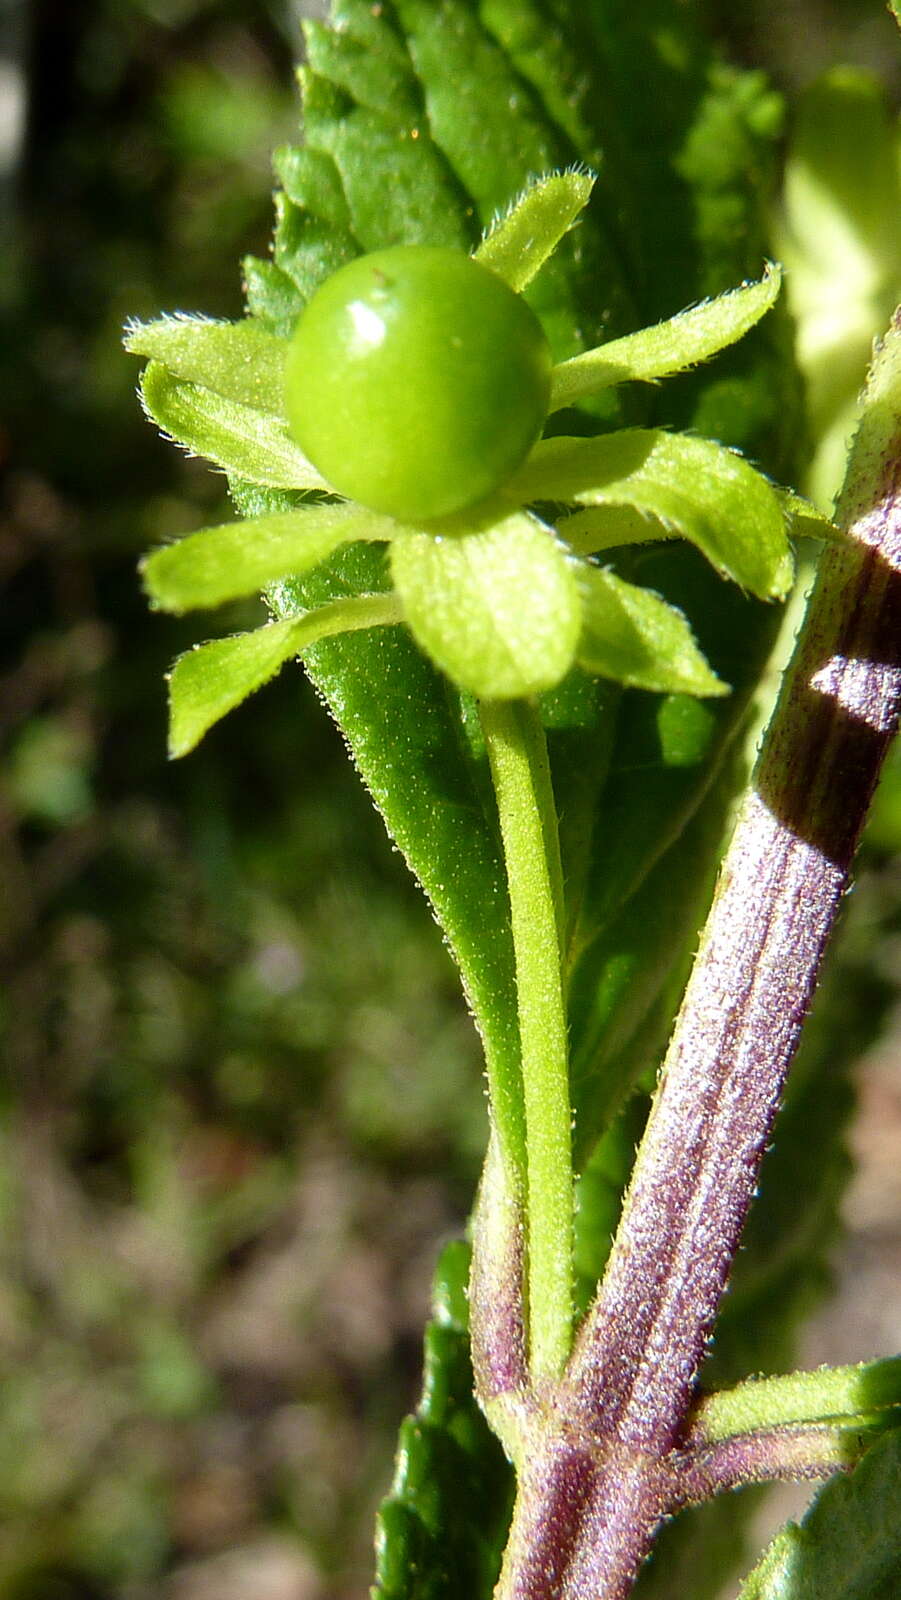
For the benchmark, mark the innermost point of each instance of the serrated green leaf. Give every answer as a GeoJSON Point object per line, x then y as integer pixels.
{"type": "Point", "coordinates": [848, 1546]}
{"type": "Point", "coordinates": [495, 131]}
{"type": "Point", "coordinates": [240, 361]}
{"type": "Point", "coordinates": [363, 111]}
{"type": "Point", "coordinates": [241, 558]}
{"type": "Point", "coordinates": [272, 297]}
{"type": "Point", "coordinates": [669, 347]}
{"type": "Point", "coordinates": [497, 610]}
{"type": "Point", "coordinates": [694, 488]}
{"type": "Point", "coordinates": [441, 1531]}
{"type": "Point", "coordinates": [243, 441]}
{"type": "Point", "coordinates": [212, 679]}
{"type": "Point", "coordinates": [634, 637]}
{"type": "Point", "coordinates": [518, 244]}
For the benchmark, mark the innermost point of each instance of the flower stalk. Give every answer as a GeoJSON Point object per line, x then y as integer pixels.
{"type": "Point", "coordinates": [517, 752]}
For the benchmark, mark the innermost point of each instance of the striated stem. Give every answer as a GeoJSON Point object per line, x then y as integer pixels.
{"type": "Point", "coordinates": [631, 1378]}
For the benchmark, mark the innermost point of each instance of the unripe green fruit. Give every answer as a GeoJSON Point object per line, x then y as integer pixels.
{"type": "Point", "coordinates": [417, 381]}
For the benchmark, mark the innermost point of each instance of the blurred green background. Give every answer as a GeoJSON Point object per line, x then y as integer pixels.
{"type": "Point", "coordinates": [241, 1102]}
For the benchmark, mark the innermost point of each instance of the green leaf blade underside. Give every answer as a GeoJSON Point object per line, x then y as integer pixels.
{"type": "Point", "coordinates": [402, 721]}
{"type": "Point", "coordinates": [668, 347]}
{"type": "Point", "coordinates": [440, 1533]}
{"type": "Point", "coordinates": [212, 679]}
{"type": "Point", "coordinates": [693, 487]}
{"type": "Point", "coordinates": [240, 361]}
{"type": "Point", "coordinates": [238, 559]}
{"type": "Point", "coordinates": [848, 1546]}
{"type": "Point", "coordinates": [497, 610]}
{"type": "Point", "coordinates": [250, 444]}
{"type": "Point", "coordinates": [518, 244]}
{"type": "Point", "coordinates": [634, 637]}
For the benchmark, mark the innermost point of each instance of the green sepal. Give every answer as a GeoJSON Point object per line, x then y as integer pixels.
{"type": "Point", "coordinates": [519, 243]}
{"type": "Point", "coordinates": [240, 361]}
{"type": "Point", "coordinates": [248, 443]}
{"type": "Point", "coordinates": [241, 558]}
{"type": "Point", "coordinates": [498, 610]}
{"type": "Point", "coordinates": [848, 1547]}
{"type": "Point", "coordinates": [668, 347]}
{"type": "Point", "coordinates": [441, 1531]}
{"type": "Point", "coordinates": [804, 520]}
{"type": "Point", "coordinates": [635, 638]}
{"type": "Point", "coordinates": [692, 488]}
{"type": "Point", "coordinates": [212, 679]}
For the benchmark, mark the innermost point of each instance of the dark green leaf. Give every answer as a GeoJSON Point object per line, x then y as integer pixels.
{"type": "Point", "coordinates": [848, 1546]}
{"type": "Point", "coordinates": [440, 1533]}
{"type": "Point", "coordinates": [627, 980]}
{"type": "Point", "coordinates": [404, 727]}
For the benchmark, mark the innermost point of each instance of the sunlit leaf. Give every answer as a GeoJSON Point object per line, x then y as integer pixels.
{"type": "Point", "coordinates": [634, 637]}
{"type": "Point", "coordinates": [518, 244]}
{"type": "Point", "coordinates": [241, 558]}
{"type": "Point", "coordinates": [668, 347]}
{"type": "Point", "coordinates": [694, 488]}
{"type": "Point", "coordinates": [237, 360]}
{"type": "Point", "coordinates": [848, 1546]}
{"type": "Point", "coordinates": [244, 441]}
{"type": "Point", "coordinates": [212, 679]}
{"type": "Point", "coordinates": [497, 610]}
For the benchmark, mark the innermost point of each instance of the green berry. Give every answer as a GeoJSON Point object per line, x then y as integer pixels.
{"type": "Point", "coordinates": [417, 381]}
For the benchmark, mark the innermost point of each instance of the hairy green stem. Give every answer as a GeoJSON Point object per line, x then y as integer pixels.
{"type": "Point", "coordinates": [517, 752]}
{"type": "Point", "coordinates": [829, 1394]}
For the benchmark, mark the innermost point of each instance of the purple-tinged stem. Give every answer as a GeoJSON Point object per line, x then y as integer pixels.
{"type": "Point", "coordinates": [631, 1378]}
{"type": "Point", "coordinates": [794, 1454]}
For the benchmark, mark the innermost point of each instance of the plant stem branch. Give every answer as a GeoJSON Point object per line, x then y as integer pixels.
{"type": "Point", "coordinates": [517, 752]}
{"type": "Point", "coordinates": [632, 1375]}
{"type": "Point", "coordinates": [828, 1394]}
